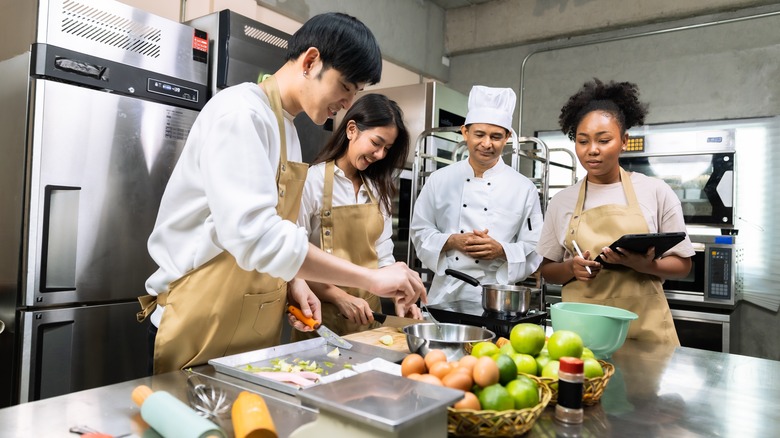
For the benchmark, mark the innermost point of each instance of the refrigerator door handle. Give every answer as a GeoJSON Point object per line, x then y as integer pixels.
{"type": "Point", "coordinates": [60, 238]}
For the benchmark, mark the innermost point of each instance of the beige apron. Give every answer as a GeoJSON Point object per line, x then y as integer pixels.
{"type": "Point", "coordinates": [640, 293]}
{"type": "Point", "coordinates": [219, 309]}
{"type": "Point", "coordinates": [354, 239]}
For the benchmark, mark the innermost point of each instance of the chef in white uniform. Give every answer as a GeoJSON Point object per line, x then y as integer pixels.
{"type": "Point", "coordinates": [478, 216]}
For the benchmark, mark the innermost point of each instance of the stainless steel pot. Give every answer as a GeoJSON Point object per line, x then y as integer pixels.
{"type": "Point", "coordinates": [505, 299]}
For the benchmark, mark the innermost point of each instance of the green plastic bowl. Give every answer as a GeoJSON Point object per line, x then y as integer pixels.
{"type": "Point", "coordinates": [603, 329]}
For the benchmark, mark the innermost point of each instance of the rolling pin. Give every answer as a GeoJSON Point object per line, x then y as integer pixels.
{"type": "Point", "coordinates": [170, 417]}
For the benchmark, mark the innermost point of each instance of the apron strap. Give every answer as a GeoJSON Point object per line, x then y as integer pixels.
{"type": "Point", "coordinates": [326, 213]}
{"type": "Point", "coordinates": [272, 90]}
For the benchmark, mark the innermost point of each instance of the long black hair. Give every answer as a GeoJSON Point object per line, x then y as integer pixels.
{"type": "Point", "coordinates": [373, 111]}
{"type": "Point", "coordinates": [621, 99]}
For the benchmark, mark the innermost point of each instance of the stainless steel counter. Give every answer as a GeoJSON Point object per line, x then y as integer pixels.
{"type": "Point", "coordinates": [655, 392]}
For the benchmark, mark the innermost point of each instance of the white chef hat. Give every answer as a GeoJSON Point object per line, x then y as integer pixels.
{"type": "Point", "coordinates": [491, 105]}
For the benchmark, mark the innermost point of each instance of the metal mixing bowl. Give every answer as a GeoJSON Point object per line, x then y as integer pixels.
{"type": "Point", "coordinates": [505, 299]}
{"type": "Point", "coordinates": [453, 339]}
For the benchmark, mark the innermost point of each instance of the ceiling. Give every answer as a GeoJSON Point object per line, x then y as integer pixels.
{"type": "Point", "coordinates": [452, 4]}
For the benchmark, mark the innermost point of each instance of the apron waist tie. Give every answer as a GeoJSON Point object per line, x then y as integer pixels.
{"type": "Point", "coordinates": [149, 304]}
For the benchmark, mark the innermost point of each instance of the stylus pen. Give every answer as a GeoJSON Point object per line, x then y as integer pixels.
{"type": "Point", "coordinates": [579, 253]}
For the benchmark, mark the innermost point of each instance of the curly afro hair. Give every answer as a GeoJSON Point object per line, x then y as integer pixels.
{"type": "Point", "coordinates": [621, 99]}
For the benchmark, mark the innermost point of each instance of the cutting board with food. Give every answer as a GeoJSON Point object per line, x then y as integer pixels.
{"type": "Point", "coordinates": [387, 337]}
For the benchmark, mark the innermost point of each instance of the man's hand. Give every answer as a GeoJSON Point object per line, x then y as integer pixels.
{"type": "Point", "coordinates": [397, 280]}
{"type": "Point", "coordinates": [482, 246]}
{"type": "Point", "coordinates": [300, 295]}
{"type": "Point", "coordinates": [354, 309]}
{"type": "Point", "coordinates": [407, 310]}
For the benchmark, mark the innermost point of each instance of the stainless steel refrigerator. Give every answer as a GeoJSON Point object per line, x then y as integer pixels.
{"type": "Point", "coordinates": [97, 101]}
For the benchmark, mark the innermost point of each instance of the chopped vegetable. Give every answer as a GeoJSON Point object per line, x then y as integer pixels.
{"type": "Point", "coordinates": [334, 353]}
{"type": "Point", "coordinates": [386, 339]}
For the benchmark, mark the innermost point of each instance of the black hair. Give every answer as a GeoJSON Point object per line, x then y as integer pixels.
{"type": "Point", "coordinates": [373, 111]}
{"type": "Point", "coordinates": [344, 42]}
{"type": "Point", "coordinates": [621, 99]}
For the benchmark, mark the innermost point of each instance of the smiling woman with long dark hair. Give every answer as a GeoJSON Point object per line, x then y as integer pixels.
{"type": "Point", "coordinates": [347, 206]}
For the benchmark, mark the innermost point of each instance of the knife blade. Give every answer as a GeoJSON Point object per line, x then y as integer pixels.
{"type": "Point", "coordinates": [394, 321]}
{"type": "Point", "coordinates": [329, 335]}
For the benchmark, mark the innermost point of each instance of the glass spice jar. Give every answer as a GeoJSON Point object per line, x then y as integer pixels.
{"type": "Point", "coordinates": [570, 387]}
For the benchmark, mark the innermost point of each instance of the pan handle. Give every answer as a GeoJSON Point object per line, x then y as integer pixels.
{"type": "Point", "coordinates": [462, 276]}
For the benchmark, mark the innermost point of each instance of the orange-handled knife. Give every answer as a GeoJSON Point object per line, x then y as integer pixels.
{"type": "Point", "coordinates": [329, 335]}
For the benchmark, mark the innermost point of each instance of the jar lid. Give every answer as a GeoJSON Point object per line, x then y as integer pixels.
{"type": "Point", "coordinates": [571, 365]}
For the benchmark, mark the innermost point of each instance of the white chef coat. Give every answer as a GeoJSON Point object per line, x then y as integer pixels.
{"type": "Point", "coordinates": [453, 200]}
{"type": "Point", "coordinates": [343, 194]}
{"type": "Point", "coordinates": [660, 207]}
{"type": "Point", "coordinates": [222, 194]}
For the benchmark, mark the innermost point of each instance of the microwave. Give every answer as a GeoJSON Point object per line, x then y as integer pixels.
{"type": "Point", "coordinates": [712, 280]}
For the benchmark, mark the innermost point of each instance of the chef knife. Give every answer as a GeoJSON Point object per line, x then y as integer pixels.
{"type": "Point", "coordinates": [394, 321]}
{"type": "Point", "coordinates": [329, 335]}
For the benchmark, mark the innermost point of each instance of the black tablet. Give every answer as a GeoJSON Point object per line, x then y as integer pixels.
{"type": "Point", "coordinates": [642, 242]}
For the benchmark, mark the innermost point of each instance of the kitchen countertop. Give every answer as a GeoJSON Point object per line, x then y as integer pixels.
{"type": "Point", "coordinates": [656, 392]}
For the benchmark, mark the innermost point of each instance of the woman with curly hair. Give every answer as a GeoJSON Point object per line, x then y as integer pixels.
{"type": "Point", "coordinates": [346, 207]}
{"type": "Point", "coordinates": [607, 204]}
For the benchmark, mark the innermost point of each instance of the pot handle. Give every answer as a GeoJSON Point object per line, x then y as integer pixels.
{"type": "Point", "coordinates": [462, 276]}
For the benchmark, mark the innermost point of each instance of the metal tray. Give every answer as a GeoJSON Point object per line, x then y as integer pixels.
{"type": "Point", "coordinates": [359, 358]}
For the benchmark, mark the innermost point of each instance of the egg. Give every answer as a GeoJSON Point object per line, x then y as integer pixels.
{"type": "Point", "coordinates": [440, 369]}
{"type": "Point", "coordinates": [485, 372]}
{"type": "Point", "coordinates": [434, 356]}
{"type": "Point", "coordinates": [430, 378]}
{"type": "Point", "coordinates": [413, 363]}
{"type": "Point", "coordinates": [468, 362]}
{"type": "Point", "coordinates": [469, 401]}
{"type": "Point", "coordinates": [458, 380]}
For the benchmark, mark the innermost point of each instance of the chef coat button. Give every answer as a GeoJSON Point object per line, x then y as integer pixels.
{"type": "Point", "coordinates": [461, 231]}
{"type": "Point", "coordinates": [485, 208]}
{"type": "Point", "coordinates": [488, 183]}
{"type": "Point", "coordinates": [456, 259]}
{"type": "Point", "coordinates": [327, 232]}
{"type": "Point", "coordinates": [476, 261]}
{"type": "Point", "coordinates": [464, 205]}
{"type": "Point", "coordinates": [468, 179]}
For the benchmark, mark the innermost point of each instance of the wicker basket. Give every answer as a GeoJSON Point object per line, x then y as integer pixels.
{"type": "Point", "coordinates": [468, 422]}
{"type": "Point", "coordinates": [592, 390]}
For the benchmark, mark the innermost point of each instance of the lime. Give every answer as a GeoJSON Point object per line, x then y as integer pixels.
{"type": "Point", "coordinates": [564, 343]}
{"type": "Point", "coordinates": [586, 352]}
{"type": "Point", "coordinates": [507, 349]}
{"type": "Point", "coordinates": [527, 338]}
{"type": "Point", "coordinates": [525, 363]}
{"type": "Point", "coordinates": [496, 398]}
{"type": "Point", "coordinates": [541, 361]}
{"type": "Point", "coordinates": [551, 369]}
{"type": "Point", "coordinates": [592, 368]}
{"type": "Point", "coordinates": [484, 348]}
{"type": "Point", "coordinates": [507, 369]}
{"type": "Point", "coordinates": [524, 391]}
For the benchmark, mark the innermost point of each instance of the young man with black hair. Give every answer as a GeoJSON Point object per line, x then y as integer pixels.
{"type": "Point", "coordinates": [225, 239]}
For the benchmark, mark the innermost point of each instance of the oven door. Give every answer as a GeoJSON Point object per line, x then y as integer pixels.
{"type": "Point", "coordinates": [705, 329]}
{"type": "Point", "coordinates": [690, 288]}
{"type": "Point", "coordinates": [703, 182]}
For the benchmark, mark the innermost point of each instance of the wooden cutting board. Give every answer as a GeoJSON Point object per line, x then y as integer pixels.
{"type": "Point", "coordinates": [371, 337]}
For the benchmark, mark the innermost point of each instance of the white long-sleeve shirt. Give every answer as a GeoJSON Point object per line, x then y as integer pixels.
{"type": "Point", "coordinates": [343, 194]}
{"type": "Point", "coordinates": [222, 194]}
{"type": "Point", "coordinates": [452, 201]}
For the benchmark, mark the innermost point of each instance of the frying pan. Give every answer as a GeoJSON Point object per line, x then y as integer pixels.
{"type": "Point", "coordinates": [504, 299]}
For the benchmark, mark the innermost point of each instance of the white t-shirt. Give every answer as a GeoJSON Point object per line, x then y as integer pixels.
{"type": "Point", "coordinates": [343, 194]}
{"type": "Point", "coordinates": [222, 194]}
{"type": "Point", "coordinates": [660, 207]}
